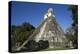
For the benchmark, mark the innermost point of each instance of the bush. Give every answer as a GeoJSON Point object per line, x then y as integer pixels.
{"type": "Point", "coordinates": [43, 44]}
{"type": "Point", "coordinates": [34, 46]}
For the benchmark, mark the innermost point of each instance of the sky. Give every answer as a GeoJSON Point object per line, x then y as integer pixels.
{"type": "Point", "coordinates": [34, 13]}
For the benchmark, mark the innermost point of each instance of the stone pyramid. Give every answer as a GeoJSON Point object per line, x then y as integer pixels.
{"type": "Point", "coordinates": [49, 30]}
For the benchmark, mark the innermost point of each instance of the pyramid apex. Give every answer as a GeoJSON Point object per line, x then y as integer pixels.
{"type": "Point", "coordinates": [49, 13]}
{"type": "Point", "coordinates": [50, 10]}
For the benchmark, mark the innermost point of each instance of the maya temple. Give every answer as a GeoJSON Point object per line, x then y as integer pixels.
{"type": "Point", "coordinates": [49, 31]}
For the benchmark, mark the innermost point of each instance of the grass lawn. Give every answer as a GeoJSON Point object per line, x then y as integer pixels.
{"type": "Point", "coordinates": [50, 49]}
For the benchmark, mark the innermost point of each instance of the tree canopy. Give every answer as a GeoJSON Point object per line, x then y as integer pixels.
{"type": "Point", "coordinates": [21, 33]}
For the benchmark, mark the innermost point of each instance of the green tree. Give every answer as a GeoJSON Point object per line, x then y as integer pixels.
{"type": "Point", "coordinates": [74, 10]}
{"type": "Point", "coordinates": [21, 32]}
{"type": "Point", "coordinates": [74, 38]}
